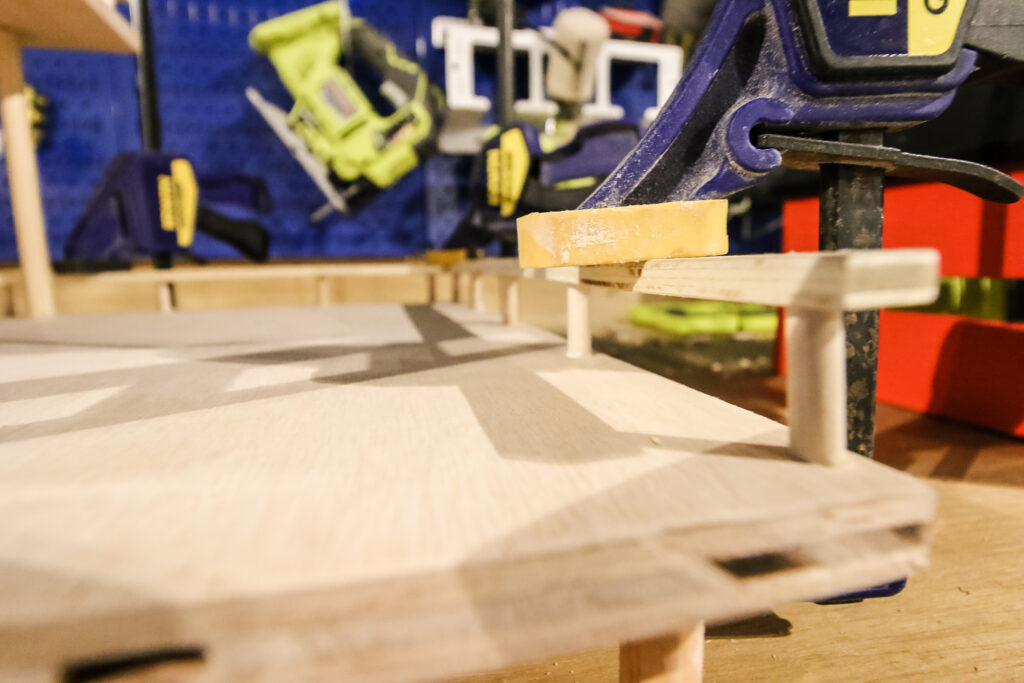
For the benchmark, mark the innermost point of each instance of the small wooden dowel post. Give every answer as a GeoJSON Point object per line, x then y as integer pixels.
{"type": "Point", "coordinates": [578, 343]}
{"type": "Point", "coordinates": [9, 306]}
{"type": "Point", "coordinates": [165, 297]}
{"type": "Point", "coordinates": [458, 282]}
{"type": "Point", "coordinates": [509, 289]}
{"type": "Point", "coordinates": [678, 658]}
{"type": "Point", "coordinates": [323, 291]}
{"type": "Point", "coordinates": [476, 282]}
{"type": "Point", "coordinates": [23, 178]}
{"type": "Point", "coordinates": [816, 384]}
{"type": "Point", "coordinates": [432, 288]}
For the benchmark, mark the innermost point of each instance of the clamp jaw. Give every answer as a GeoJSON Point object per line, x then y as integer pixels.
{"type": "Point", "coordinates": [788, 67]}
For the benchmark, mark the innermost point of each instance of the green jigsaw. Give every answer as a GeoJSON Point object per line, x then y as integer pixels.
{"type": "Point", "coordinates": [347, 147]}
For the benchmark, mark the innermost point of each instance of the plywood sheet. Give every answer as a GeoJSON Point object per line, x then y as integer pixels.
{"type": "Point", "coordinates": [390, 493]}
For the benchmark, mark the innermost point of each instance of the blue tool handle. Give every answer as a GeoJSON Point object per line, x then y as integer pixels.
{"type": "Point", "coordinates": [886, 590]}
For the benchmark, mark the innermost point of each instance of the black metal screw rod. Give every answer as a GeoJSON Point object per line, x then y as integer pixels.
{"type": "Point", "coordinates": [851, 218]}
{"type": "Point", "coordinates": [149, 115]}
{"type": "Point", "coordinates": [506, 63]}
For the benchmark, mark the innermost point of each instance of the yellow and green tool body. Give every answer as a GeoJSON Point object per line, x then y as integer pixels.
{"type": "Point", "coordinates": [684, 318]}
{"type": "Point", "coordinates": [332, 117]}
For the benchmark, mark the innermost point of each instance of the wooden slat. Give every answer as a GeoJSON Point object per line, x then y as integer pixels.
{"type": "Point", "coordinates": [509, 267]}
{"type": "Point", "coordinates": [270, 271]}
{"type": "Point", "coordinates": [847, 280]}
{"type": "Point", "coordinates": [843, 280]}
{"type": "Point", "coordinates": [91, 25]}
{"type": "Point", "coordinates": [490, 266]}
{"type": "Point", "coordinates": [216, 273]}
{"type": "Point", "coordinates": [386, 493]}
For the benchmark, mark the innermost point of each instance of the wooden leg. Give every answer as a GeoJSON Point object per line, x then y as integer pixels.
{"type": "Point", "coordinates": [23, 178]}
{"type": "Point", "coordinates": [816, 384]}
{"type": "Point", "coordinates": [9, 307]}
{"type": "Point", "coordinates": [457, 285]}
{"type": "Point", "coordinates": [19, 303]}
{"type": "Point", "coordinates": [509, 300]}
{"type": "Point", "coordinates": [577, 321]}
{"type": "Point", "coordinates": [323, 291]}
{"type": "Point", "coordinates": [432, 288]}
{"type": "Point", "coordinates": [677, 658]}
{"type": "Point", "coordinates": [165, 297]}
{"type": "Point", "coordinates": [477, 287]}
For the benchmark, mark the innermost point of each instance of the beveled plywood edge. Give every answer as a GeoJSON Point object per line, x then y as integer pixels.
{"type": "Point", "coordinates": [842, 280]}
{"type": "Point", "coordinates": [630, 589]}
{"type": "Point", "coordinates": [623, 234]}
{"type": "Point", "coordinates": [644, 588]}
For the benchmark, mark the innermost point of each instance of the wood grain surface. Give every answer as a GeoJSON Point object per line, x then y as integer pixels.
{"type": "Point", "coordinates": [849, 280]}
{"type": "Point", "coordinates": [623, 233]}
{"type": "Point", "coordinates": [960, 620]}
{"type": "Point", "coordinates": [390, 493]}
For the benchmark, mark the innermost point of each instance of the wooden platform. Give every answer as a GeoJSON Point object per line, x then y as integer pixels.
{"type": "Point", "coordinates": [390, 493]}
{"type": "Point", "coordinates": [961, 620]}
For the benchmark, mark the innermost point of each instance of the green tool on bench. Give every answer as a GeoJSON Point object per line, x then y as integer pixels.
{"type": "Point", "coordinates": [683, 318]}
{"type": "Point", "coordinates": [345, 144]}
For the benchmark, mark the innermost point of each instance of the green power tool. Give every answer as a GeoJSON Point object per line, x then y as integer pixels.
{"type": "Point", "coordinates": [347, 147]}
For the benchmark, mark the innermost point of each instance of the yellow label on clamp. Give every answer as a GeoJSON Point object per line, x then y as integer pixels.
{"type": "Point", "coordinates": [932, 25]}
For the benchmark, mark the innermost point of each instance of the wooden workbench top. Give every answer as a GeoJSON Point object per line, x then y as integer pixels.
{"type": "Point", "coordinates": [394, 493]}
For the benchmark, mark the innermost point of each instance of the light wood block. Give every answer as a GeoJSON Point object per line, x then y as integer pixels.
{"type": "Point", "coordinates": [91, 25]}
{"type": "Point", "coordinates": [623, 234]}
{"type": "Point", "coordinates": [387, 493]}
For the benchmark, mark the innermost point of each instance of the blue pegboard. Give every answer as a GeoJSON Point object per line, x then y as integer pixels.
{"type": "Point", "coordinates": [203, 66]}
